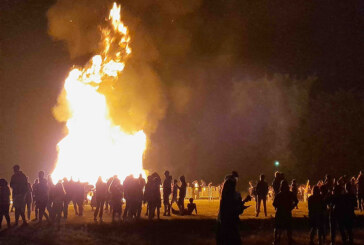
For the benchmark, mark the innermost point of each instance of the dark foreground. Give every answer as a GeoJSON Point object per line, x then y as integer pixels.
{"type": "Point", "coordinates": [174, 231]}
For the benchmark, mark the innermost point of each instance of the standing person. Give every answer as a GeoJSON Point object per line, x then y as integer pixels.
{"type": "Point", "coordinates": [34, 204]}
{"type": "Point", "coordinates": [101, 195]}
{"type": "Point", "coordinates": [19, 184]}
{"type": "Point", "coordinates": [155, 198]}
{"type": "Point", "coordinates": [262, 192]}
{"type": "Point", "coordinates": [4, 202]}
{"type": "Point", "coordinates": [29, 199]}
{"type": "Point", "coordinates": [294, 189]}
{"type": "Point", "coordinates": [167, 190]}
{"type": "Point", "coordinates": [50, 197]}
{"type": "Point", "coordinates": [276, 183]}
{"type": "Point", "coordinates": [41, 196]}
{"type": "Point", "coordinates": [128, 196]}
{"type": "Point", "coordinates": [139, 201]}
{"type": "Point", "coordinates": [58, 201]}
{"type": "Point", "coordinates": [182, 194]}
{"type": "Point", "coordinates": [147, 193]}
{"type": "Point", "coordinates": [284, 202]}
{"type": "Point", "coordinates": [231, 206]}
{"type": "Point", "coordinates": [174, 192]}
{"type": "Point", "coordinates": [316, 209]}
{"type": "Point", "coordinates": [360, 182]}
{"type": "Point", "coordinates": [79, 196]}
{"type": "Point", "coordinates": [116, 193]}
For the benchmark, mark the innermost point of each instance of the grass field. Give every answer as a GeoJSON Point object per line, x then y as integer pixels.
{"type": "Point", "coordinates": [195, 229]}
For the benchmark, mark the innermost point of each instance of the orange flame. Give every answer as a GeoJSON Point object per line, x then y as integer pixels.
{"type": "Point", "coordinates": [94, 146]}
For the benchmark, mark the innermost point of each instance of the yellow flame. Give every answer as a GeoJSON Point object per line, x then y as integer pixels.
{"type": "Point", "coordinates": [94, 146]}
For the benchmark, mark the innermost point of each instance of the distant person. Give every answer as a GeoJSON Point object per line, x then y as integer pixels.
{"type": "Point", "coordinates": [182, 194]}
{"type": "Point", "coordinates": [140, 194]}
{"type": "Point", "coordinates": [128, 196]}
{"type": "Point", "coordinates": [4, 202]}
{"type": "Point", "coordinates": [100, 195]}
{"type": "Point", "coordinates": [316, 211]}
{"type": "Point", "coordinates": [148, 193]}
{"type": "Point", "coordinates": [231, 206]}
{"type": "Point", "coordinates": [343, 205]}
{"type": "Point", "coordinates": [50, 197]}
{"type": "Point", "coordinates": [191, 206]}
{"type": "Point", "coordinates": [79, 196]}
{"type": "Point", "coordinates": [276, 184]}
{"type": "Point", "coordinates": [167, 190]}
{"type": "Point", "coordinates": [67, 186]}
{"type": "Point", "coordinates": [294, 189]}
{"type": "Point", "coordinates": [360, 181]}
{"type": "Point", "coordinates": [262, 192]}
{"type": "Point", "coordinates": [19, 184]}
{"type": "Point", "coordinates": [35, 207]}
{"type": "Point", "coordinates": [29, 199]}
{"type": "Point", "coordinates": [284, 202]}
{"type": "Point", "coordinates": [174, 192]}
{"type": "Point", "coordinates": [41, 196]}
{"type": "Point", "coordinates": [116, 191]}
{"type": "Point", "coordinates": [155, 199]}
{"type": "Point", "coordinates": [58, 201]}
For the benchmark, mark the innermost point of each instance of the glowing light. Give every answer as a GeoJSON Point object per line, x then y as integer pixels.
{"type": "Point", "coordinates": [276, 163]}
{"type": "Point", "coordinates": [94, 146]}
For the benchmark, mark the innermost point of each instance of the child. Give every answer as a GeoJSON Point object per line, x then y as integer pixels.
{"type": "Point", "coordinates": [4, 201]}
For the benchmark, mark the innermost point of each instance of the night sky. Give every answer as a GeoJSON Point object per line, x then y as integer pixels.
{"type": "Point", "coordinates": [241, 83]}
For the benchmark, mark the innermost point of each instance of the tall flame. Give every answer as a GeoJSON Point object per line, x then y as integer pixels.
{"type": "Point", "coordinates": [94, 146]}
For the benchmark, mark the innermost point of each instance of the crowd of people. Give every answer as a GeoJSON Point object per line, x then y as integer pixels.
{"type": "Point", "coordinates": [331, 202]}
{"type": "Point", "coordinates": [331, 205]}
{"type": "Point", "coordinates": [51, 201]}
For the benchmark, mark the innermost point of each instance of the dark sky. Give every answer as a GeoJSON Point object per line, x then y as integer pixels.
{"type": "Point", "coordinates": [240, 78]}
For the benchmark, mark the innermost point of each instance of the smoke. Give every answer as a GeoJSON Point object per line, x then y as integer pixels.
{"type": "Point", "coordinates": [137, 99]}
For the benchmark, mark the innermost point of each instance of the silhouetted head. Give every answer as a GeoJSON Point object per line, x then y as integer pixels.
{"type": "Point", "coordinates": [3, 182]}
{"type": "Point", "coordinates": [149, 178]}
{"type": "Point", "coordinates": [316, 190]}
{"type": "Point", "coordinates": [228, 188]}
{"type": "Point", "coordinates": [235, 175]}
{"type": "Point", "coordinates": [191, 200]}
{"type": "Point", "coordinates": [36, 181]}
{"type": "Point", "coordinates": [41, 174]}
{"type": "Point", "coordinates": [182, 178]}
{"type": "Point", "coordinates": [262, 177]}
{"type": "Point", "coordinates": [16, 168]}
{"type": "Point", "coordinates": [166, 173]}
{"type": "Point", "coordinates": [284, 186]}
{"type": "Point", "coordinates": [294, 181]}
{"type": "Point", "coordinates": [276, 174]}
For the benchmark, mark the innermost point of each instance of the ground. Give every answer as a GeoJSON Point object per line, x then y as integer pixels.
{"type": "Point", "coordinates": [196, 229]}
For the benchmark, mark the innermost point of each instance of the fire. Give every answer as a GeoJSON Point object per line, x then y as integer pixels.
{"type": "Point", "coordinates": [94, 146]}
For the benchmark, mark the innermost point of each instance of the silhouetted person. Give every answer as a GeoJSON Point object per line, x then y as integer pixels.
{"type": "Point", "coordinates": [182, 194]}
{"type": "Point", "coordinates": [139, 201]}
{"type": "Point", "coordinates": [116, 191]}
{"type": "Point", "coordinates": [231, 206]}
{"type": "Point", "coordinates": [79, 196]}
{"type": "Point", "coordinates": [58, 201]}
{"type": "Point", "coordinates": [174, 192]}
{"type": "Point", "coordinates": [167, 190]}
{"type": "Point", "coordinates": [147, 193]}
{"type": "Point", "coordinates": [50, 197]}
{"type": "Point", "coordinates": [4, 202]}
{"type": "Point", "coordinates": [360, 181]}
{"type": "Point", "coordinates": [41, 196]}
{"type": "Point", "coordinates": [316, 208]}
{"type": "Point", "coordinates": [128, 196]}
{"type": "Point", "coordinates": [276, 184]}
{"type": "Point", "coordinates": [155, 198]}
{"type": "Point", "coordinates": [191, 206]}
{"type": "Point", "coordinates": [36, 209]}
{"type": "Point", "coordinates": [284, 202]}
{"type": "Point", "coordinates": [342, 205]}
{"type": "Point", "coordinates": [19, 184]}
{"type": "Point", "coordinates": [100, 195]}
{"type": "Point", "coordinates": [68, 197]}
{"type": "Point", "coordinates": [29, 199]}
{"type": "Point", "coordinates": [262, 192]}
